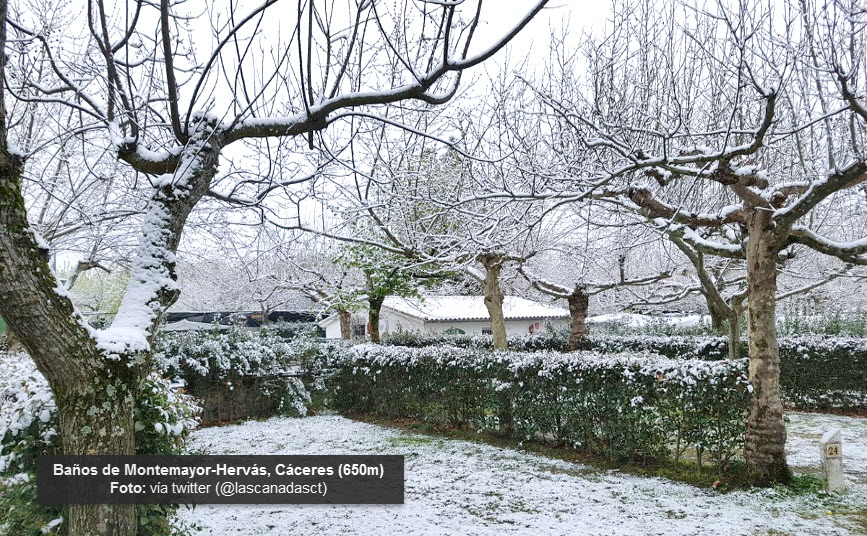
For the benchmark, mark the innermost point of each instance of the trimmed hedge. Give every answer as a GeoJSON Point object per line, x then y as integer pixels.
{"type": "Point", "coordinates": [817, 373]}
{"type": "Point", "coordinates": [636, 407]}
{"type": "Point", "coordinates": [238, 374]}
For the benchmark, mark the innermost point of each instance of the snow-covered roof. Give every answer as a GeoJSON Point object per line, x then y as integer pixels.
{"type": "Point", "coordinates": [639, 320]}
{"type": "Point", "coordinates": [450, 308]}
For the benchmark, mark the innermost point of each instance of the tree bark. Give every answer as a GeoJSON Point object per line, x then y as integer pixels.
{"type": "Point", "coordinates": [56, 338]}
{"type": "Point", "coordinates": [494, 298]}
{"type": "Point", "coordinates": [43, 317]}
{"type": "Point", "coordinates": [375, 303]}
{"type": "Point", "coordinates": [579, 302]}
{"type": "Point", "coordinates": [766, 431]}
{"type": "Point", "coordinates": [89, 432]}
{"type": "Point", "coordinates": [734, 325]}
{"type": "Point", "coordinates": [718, 319]}
{"type": "Point", "coordinates": [94, 395]}
{"type": "Point", "coordinates": [345, 324]}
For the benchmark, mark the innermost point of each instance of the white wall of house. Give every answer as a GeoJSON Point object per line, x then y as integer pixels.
{"type": "Point", "coordinates": [513, 327]}
{"type": "Point", "coordinates": [391, 321]}
{"type": "Point", "coordinates": [331, 326]}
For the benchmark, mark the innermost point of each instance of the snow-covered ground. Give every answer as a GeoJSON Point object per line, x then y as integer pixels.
{"type": "Point", "coordinates": [461, 487]}
{"type": "Point", "coordinates": [805, 430]}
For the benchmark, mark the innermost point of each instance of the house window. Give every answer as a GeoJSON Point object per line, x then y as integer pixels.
{"type": "Point", "coordinates": [487, 331]}
{"type": "Point", "coordinates": [358, 331]}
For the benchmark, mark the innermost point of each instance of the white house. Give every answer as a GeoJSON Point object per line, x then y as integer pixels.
{"type": "Point", "coordinates": [452, 314]}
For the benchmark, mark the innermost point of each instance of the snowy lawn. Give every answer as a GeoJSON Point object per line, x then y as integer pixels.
{"type": "Point", "coordinates": [462, 487]}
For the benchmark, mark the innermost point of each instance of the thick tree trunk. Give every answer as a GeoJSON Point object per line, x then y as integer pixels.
{"type": "Point", "coordinates": [579, 302]}
{"type": "Point", "coordinates": [494, 299]}
{"type": "Point", "coordinates": [766, 432]}
{"type": "Point", "coordinates": [345, 324]}
{"type": "Point", "coordinates": [85, 431]}
{"type": "Point", "coordinates": [47, 325]}
{"type": "Point", "coordinates": [373, 317]}
{"type": "Point", "coordinates": [94, 395]}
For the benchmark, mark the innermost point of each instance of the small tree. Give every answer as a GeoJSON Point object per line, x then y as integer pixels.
{"type": "Point", "coordinates": [386, 274]}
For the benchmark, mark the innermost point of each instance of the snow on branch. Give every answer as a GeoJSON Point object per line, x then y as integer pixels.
{"type": "Point", "coordinates": [851, 252]}
{"type": "Point", "coordinates": [851, 175]}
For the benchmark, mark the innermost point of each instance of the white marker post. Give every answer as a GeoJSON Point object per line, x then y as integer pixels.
{"type": "Point", "coordinates": [832, 461]}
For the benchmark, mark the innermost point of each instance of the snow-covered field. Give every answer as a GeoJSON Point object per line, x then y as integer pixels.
{"type": "Point", "coordinates": [461, 487]}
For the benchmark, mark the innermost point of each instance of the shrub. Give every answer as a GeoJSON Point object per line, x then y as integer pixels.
{"type": "Point", "coordinates": [848, 324]}
{"type": "Point", "coordinates": [28, 428]}
{"type": "Point", "coordinates": [293, 330]}
{"type": "Point", "coordinates": [817, 372]}
{"type": "Point", "coordinates": [239, 373]}
{"type": "Point", "coordinates": [623, 406]}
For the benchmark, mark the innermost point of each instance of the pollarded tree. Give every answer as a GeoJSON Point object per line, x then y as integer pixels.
{"type": "Point", "coordinates": [745, 120]}
{"type": "Point", "coordinates": [337, 289]}
{"type": "Point", "coordinates": [724, 287]}
{"type": "Point", "coordinates": [577, 294]}
{"type": "Point", "coordinates": [170, 114]}
{"type": "Point", "coordinates": [412, 193]}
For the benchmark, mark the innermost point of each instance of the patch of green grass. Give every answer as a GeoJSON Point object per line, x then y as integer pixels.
{"type": "Point", "coordinates": [410, 440]}
{"type": "Point", "coordinates": [803, 484]}
{"type": "Point", "coordinates": [859, 517]}
{"type": "Point", "coordinates": [685, 471]}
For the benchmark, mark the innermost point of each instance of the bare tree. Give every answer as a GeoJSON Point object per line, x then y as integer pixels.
{"type": "Point", "coordinates": [577, 295]}
{"type": "Point", "coordinates": [731, 118]}
{"type": "Point", "coordinates": [170, 115]}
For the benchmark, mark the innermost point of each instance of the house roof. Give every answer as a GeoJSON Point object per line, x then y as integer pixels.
{"type": "Point", "coordinates": [451, 308]}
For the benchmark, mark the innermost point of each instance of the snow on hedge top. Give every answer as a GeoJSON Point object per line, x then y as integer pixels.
{"type": "Point", "coordinates": [368, 358]}
{"type": "Point", "coordinates": [445, 308]}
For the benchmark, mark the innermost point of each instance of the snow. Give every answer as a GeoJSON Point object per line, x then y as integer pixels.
{"type": "Point", "coordinates": [639, 320]}
{"type": "Point", "coordinates": [435, 308]}
{"type": "Point", "coordinates": [128, 333]}
{"type": "Point", "coordinates": [14, 150]}
{"type": "Point", "coordinates": [745, 170]}
{"type": "Point", "coordinates": [629, 319]}
{"type": "Point", "coordinates": [806, 430]}
{"type": "Point", "coordinates": [186, 325]}
{"type": "Point", "coordinates": [41, 243]}
{"type": "Point", "coordinates": [462, 487]}
{"type": "Point", "coordinates": [830, 435]}
{"type": "Point", "coordinates": [25, 398]}
{"type": "Point", "coordinates": [856, 245]}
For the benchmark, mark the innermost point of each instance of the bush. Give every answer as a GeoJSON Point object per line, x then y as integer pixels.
{"type": "Point", "coordinates": [28, 428]}
{"type": "Point", "coordinates": [620, 407]}
{"type": "Point", "coordinates": [817, 373]}
{"type": "Point", "coordinates": [847, 324]}
{"type": "Point", "coordinates": [294, 330]}
{"type": "Point", "coordinates": [239, 373]}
